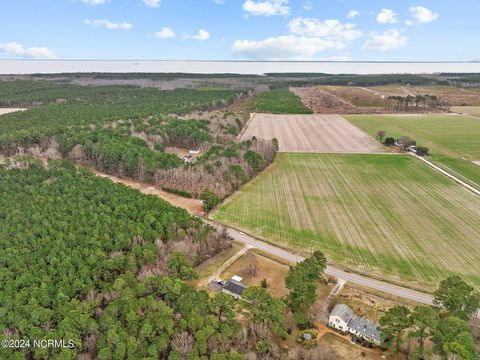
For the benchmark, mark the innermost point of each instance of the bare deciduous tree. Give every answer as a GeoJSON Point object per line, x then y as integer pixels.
{"type": "Point", "coordinates": [183, 343]}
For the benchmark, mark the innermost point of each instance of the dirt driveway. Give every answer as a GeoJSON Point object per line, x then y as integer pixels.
{"type": "Point", "coordinates": [193, 206]}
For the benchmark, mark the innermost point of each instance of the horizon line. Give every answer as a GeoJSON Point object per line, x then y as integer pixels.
{"type": "Point", "coordinates": [271, 61]}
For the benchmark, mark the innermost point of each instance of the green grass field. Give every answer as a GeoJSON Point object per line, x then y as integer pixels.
{"type": "Point", "coordinates": [388, 215]}
{"type": "Point", "coordinates": [454, 140]}
{"type": "Point", "coordinates": [279, 101]}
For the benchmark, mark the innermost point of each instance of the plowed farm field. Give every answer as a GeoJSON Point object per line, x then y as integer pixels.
{"type": "Point", "coordinates": [311, 133]}
{"type": "Point", "coordinates": [385, 215]}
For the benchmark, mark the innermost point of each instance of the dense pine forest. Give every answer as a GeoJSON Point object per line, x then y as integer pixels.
{"type": "Point", "coordinates": [80, 259]}
{"type": "Point", "coordinates": [100, 264]}
{"type": "Point", "coordinates": [127, 131]}
{"type": "Point", "coordinates": [104, 268]}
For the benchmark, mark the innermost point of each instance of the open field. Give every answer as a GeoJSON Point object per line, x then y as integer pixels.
{"type": "Point", "coordinates": [451, 95]}
{"type": "Point", "coordinates": [370, 100]}
{"type": "Point", "coordinates": [310, 133]}
{"type": "Point", "coordinates": [468, 110]}
{"type": "Point", "coordinates": [388, 215]}
{"type": "Point", "coordinates": [323, 101]}
{"type": "Point", "coordinates": [280, 101]}
{"type": "Point", "coordinates": [453, 140]}
{"type": "Point", "coordinates": [357, 96]}
{"type": "Point", "coordinates": [452, 135]}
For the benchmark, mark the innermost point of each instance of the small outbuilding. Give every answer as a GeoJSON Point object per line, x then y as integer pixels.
{"type": "Point", "coordinates": [234, 287]}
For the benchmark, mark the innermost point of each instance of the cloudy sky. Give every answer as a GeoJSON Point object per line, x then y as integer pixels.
{"type": "Point", "coordinates": [385, 30]}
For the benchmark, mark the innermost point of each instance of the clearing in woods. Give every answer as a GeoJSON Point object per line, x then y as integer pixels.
{"type": "Point", "coordinates": [193, 206]}
{"type": "Point", "coordinates": [388, 215]}
{"type": "Point", "coordinates": [310, 133]}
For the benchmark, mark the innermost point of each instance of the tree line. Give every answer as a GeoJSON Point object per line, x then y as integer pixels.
{"type": "Point", "coordinates": [414, 103]}
{"type": "Point", "coordinates": [445, 324]}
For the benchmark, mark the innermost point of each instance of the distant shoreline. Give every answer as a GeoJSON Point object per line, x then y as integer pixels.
{"type": "Point", "coordinates": [26, 66]}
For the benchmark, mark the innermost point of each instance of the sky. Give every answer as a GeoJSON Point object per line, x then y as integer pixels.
{"type": "Point", "coordinates": [336, 30]}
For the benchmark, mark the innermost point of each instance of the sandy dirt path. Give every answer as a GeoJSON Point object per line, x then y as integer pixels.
{"type": "Point", "coordinates": [215, 276]}
{"type": "Point", "coordinates": [193, 206]}
{"type": "Point", "coordinates": [448, 174]}
{"type": "Point", "coordinates": [311, 133]}
{"type": "Point", "coordinates": [10, 110]}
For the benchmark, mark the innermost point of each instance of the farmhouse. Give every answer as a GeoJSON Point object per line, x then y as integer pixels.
{"type": "Point", "coordinates": [344, 319]}
{"type": "Point", "coordinates": [234, 287]}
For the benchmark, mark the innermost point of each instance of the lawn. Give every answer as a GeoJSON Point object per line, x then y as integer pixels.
{"type": "Point", "coordinates": [253, 267]}
{"type": "Point", "coordinates": [281, 101]}
{"type": "Point", "coordinates": [386, 215]}
{"type": "Point", "coordinates": [345, 350]}
{"type": "Point", "coordinates": [453, 140]}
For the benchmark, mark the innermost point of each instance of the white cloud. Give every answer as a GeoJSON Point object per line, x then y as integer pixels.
{"type": "Point", "coordinates": [152, 3]}
{"type": "Point", "coordinates": [165, 33]}
{"type": "Point", "coordinates": [387, 16]}
{"type": "Point", "coordinates": [332, 29]}
{"type": "Point", "coordinates": [95, 2]}
{"type": "Point", "coordinates": [308, 5]}
{"type": "Point", "coordinates": [352, 14]}
{"type": "Point", "coordinates": [423, 15]}
{"type": "Point", "coordinates": [201, 35]}
{"type": "Point", "coordinates": [387, 40]}
{"type": "Point", "coordinates": [110, 25]}
{"type": "Point", "coordinates": [286, 47]}
{"type": "Point", "coordinates": [408, 22]}
{"type": "Point", "coordinates": [17, 49]}
{"type": "Point", "coordinates": [308, 37]}
{"type": "Point", "coordinates": [266, 7]}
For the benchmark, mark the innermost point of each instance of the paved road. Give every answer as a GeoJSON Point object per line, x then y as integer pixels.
{"type": "Point", "coordinates": [399, 291]}
{"type": "Point", "coordinates": [331, 270]}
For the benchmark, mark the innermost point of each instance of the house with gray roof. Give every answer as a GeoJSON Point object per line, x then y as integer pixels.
{"type": "Point", "coordinates": [344, 319]}
{"type": "Point", "coordinates": [234, 287]}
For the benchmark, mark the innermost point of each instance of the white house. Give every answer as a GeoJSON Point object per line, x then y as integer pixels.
{"type": "Point", "coordinates": [344, 319]}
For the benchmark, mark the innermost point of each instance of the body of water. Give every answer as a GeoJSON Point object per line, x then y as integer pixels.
{"type": "Point", "coordinates": [238, 67]}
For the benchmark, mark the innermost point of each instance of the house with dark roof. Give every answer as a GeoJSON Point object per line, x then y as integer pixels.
{"type": "Point", "coordinates": [234, 287]}
{"type": "Point", "coordinates": [344, 319]}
